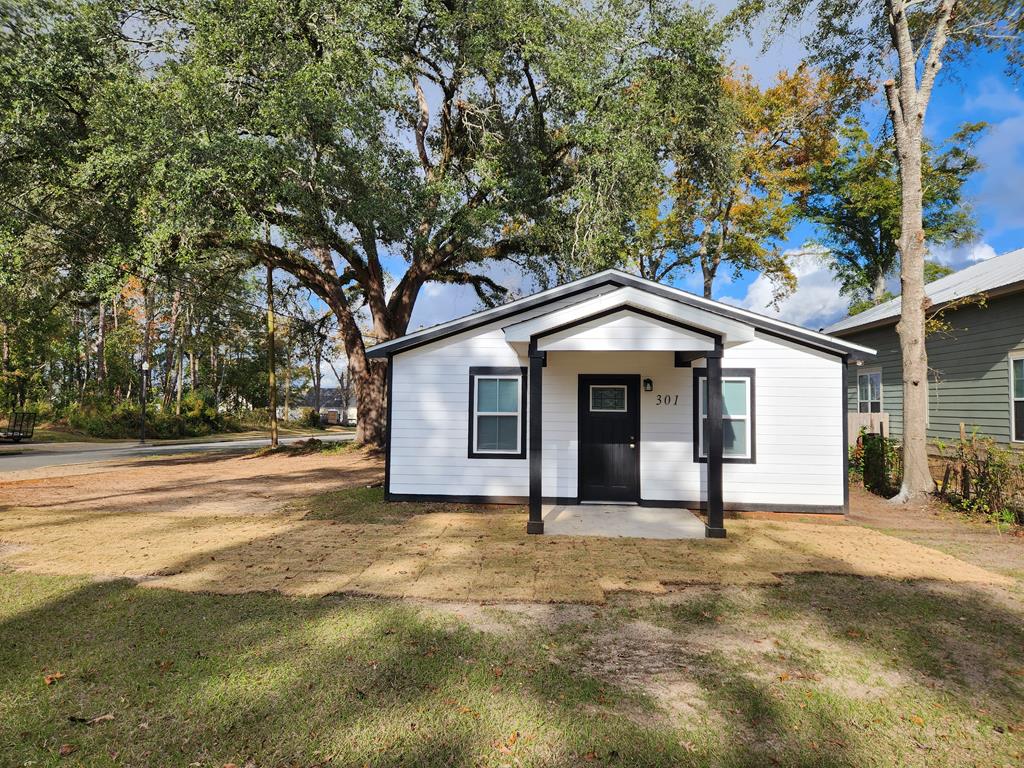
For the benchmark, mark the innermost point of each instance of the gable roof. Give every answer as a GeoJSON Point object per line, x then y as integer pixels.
{"type": "Point", "coordinates": [1002, 274]}
{"type": "Point", "coordinates": [618, 279]}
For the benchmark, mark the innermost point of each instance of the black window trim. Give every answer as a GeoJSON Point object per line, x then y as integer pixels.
{"type": "Point", "coordinates": [1016, 354]}
{"type": "Point", "coordinates": [484, 372]}
{"type": "Point", "coordinates": [742, 373]}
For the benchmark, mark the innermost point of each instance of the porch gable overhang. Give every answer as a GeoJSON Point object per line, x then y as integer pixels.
{"type": "Point", "coordinates": [628, 319]}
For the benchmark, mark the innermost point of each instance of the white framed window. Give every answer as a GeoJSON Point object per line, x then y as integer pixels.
{"type": "Point", "coordinates": [608, 398]}
{"type": "Point", "coordinates": [1017, 396]}
{"type": "Point", "coordinates": [869, 391]}
{"type": "Point", "coordinates": [497, 427]}
{"type": "Point", "coordinates": [738, 417]}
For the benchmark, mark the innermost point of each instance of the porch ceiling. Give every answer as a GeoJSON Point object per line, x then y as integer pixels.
{"type": "Point", "coordinates": [602, 322]}
{"type": "Point", "coordinates": [625, 331]}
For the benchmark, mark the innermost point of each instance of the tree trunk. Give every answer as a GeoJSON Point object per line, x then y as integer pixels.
{"type": "Point", "coordinates": [101, 345]}
{"type": "Point", "coordinates": [271, 373]}
{"type": "Point", "coordinates": [878, 290]}
{"type": "Point", "coordinates": [907, 106]}
{"type": "Point", "coordinates": [287, 371]}
{"type": "Point", "coordinates": [172, 340]}
{"type": "Point", "coordinates": [177, 383]}
{"type": "Point", "coordinates": [917, 478]}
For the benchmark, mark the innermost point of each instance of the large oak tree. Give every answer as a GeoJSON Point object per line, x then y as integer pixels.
{"type": "Point", "coordinates": [370, 148]}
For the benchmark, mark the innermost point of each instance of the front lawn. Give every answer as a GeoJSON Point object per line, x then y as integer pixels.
{"type": "Point", "coordinates": [818, 671]}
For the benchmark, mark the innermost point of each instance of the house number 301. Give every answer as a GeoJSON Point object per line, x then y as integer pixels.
{"type": "Point", "coordinates": [668, 400]}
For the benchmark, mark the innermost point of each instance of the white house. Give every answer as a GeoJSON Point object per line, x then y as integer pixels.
{"type": "Point", "coordinates": [616, 389]}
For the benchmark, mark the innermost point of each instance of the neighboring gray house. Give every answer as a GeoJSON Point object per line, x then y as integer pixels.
{"type": "Point", "coordinates": [976, 374]}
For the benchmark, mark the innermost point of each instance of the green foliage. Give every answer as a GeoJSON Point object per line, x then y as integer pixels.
{"type": "Point", "coordinates": [729, 202]}
{"type": "Point", "coordinates": [882, 464]}
{"type": "Point", "coordinates": [310, 418]}
{"type": "Point", "coordinates": [121, 421]}
{"type": "Point", "coordinates": [855, 201]}
{"type": "Point", "coordinates": [856, 456]}
{"type": "Point", "coordinates": [985, 479]}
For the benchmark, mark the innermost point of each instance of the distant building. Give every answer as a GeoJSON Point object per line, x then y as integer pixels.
{"type": "Point", "coordinates": [976, 368]}
{"type": "Point", "coordinates": [335, 406]}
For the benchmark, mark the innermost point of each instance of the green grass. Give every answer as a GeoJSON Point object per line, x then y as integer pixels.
{"type": "Point", "coordinates": [194, 679]}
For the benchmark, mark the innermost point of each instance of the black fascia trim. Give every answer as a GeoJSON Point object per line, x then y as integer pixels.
{"type": "Point", "coordinates": [685, 359]}
{"type": "Point", "coordinates": [387, 428]}
{"type": "Point", "coordinates": [748, 373]}
{"type": "Point", "coordinates": [519, 371]}
{"type": "Point", "coordinates": [797, 509]}
{"type": "Point", "coordinates": [621, 281]}
{"type": "Point", "coordinates": [636, 311]}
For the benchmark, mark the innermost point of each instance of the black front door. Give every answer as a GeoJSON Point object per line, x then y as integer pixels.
{"type": "Point", "coordinates": [609, 423]}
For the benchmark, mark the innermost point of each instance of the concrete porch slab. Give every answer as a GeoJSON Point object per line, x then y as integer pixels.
{"type": "Point", "coordinates": [621, 520]}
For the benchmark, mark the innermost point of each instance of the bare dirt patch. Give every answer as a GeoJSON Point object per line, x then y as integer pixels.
{"type": "Point", "coordinates": [931, 523]}
{"type": "Point", "coordinates": [250, 524]}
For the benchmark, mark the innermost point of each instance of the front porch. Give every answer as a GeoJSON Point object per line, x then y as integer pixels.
{"type": "Point", "coordinates": [614, 328]}
{"type": "Point", "coordinates": [621, 521]}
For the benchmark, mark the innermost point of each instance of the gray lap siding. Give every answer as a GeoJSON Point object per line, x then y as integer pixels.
{"type": "Point", "coordinates": [969, 379]}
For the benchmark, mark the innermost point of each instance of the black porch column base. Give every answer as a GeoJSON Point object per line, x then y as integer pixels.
{"type": "Point", "coordinates": [713, 533]}
{"type": "Point", "coordinates": [535, 526]}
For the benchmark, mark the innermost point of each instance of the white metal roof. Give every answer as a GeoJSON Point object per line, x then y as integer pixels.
{"type": "Point", "coordinates": [992, 274]}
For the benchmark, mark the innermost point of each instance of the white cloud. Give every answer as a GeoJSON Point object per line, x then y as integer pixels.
{"type": "Point", "coordinates": [815, 303]}
{"type": "Point", "coordinates": [959, 256]}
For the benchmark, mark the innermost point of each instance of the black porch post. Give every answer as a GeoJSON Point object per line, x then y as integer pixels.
{"type": "Point", "coordinates": [536, 522]}
{"type": "Point", "coordinates": [716, 524]}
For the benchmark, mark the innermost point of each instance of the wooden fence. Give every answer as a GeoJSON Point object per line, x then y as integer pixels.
{"type": "Point", "coordinates": [875, 423]}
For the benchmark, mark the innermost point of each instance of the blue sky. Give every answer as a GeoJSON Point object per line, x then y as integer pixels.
{"type": "Point", "coordinates": [978, 91]}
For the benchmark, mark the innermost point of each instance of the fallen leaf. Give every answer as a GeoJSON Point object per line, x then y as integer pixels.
{"type": "Point", "coordinates": [53, 678]}
{"type": "Point", "coordinates": [917, 720]}
{"type": "Point", "coordinates": [66, 749]}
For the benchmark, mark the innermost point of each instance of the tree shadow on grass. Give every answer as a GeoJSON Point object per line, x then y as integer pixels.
{"type": "Point", "coordinates": [218, 679]}
{"type": "Point", "coordinates": [856, 671]}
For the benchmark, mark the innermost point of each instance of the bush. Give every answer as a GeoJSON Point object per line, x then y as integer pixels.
{"type": "Point", "coordinates": [311, 419]}
{"type": "Point", "coordinates": [198, 418]}
{"type": "Point", "coordinates": [881, 464]}
{"type": "Point", "coordinates": [983, 478]}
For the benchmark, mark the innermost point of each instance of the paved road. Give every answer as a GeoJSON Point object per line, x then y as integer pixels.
{"type": "Point", "coordinates": [38, 455]}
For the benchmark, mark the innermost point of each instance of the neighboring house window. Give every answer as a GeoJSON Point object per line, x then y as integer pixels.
{"type": "Point", "coordinates": [497, 417]}
{"type": "Point", "coordinates": [1017, 397]}
{"type": "Point", "coordinates": [738, 422]}
{"type": "Point", "coordinates": [869, 392]}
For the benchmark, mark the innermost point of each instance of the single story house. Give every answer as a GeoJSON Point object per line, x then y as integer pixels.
{"type": "Point", "coordinates": [976, 360]}
{"type": "Point", "coordinates": [336, 405]}
{"type": "Point", "coordinates": [619, 390]}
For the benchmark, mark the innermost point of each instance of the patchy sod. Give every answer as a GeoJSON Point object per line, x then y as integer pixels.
{"type": "Point", "coordinates": [818, 671]}
{"type": "Point", "coordinates": [281, 523]}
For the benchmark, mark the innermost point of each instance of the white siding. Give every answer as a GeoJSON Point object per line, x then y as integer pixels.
{"type": "Point", "coordinates": [798, 433]}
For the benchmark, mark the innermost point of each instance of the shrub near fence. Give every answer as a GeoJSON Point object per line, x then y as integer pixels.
{"type": "Point", "coordinates": [981, 477]}
{"type": "Point", "coordinates": [882, 464]}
